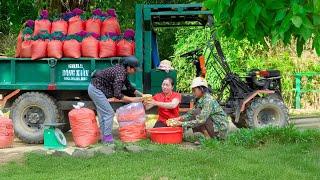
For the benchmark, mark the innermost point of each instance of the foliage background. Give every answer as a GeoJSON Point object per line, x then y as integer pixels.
{"type": "Point", "coordinates": [242, 53]}
{"type": "Point", "coordinates": [243, 56]}
{"type": "Point", "coordinates": [279, 20]}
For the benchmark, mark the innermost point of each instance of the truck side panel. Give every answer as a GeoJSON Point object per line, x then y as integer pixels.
{"type": "Point", "coordinates": [52, 74]}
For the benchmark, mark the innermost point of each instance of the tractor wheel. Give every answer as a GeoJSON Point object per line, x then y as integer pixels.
{"type": "Point", "coordinates": [267, 111]}
{"type": "Point", "coordinates": [241, 123]}
{"type": "Point", "coordinates": [29, 112]}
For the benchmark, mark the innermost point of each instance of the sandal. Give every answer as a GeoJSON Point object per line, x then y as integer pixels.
{"type": "Point", "coordinates": [197, 143]}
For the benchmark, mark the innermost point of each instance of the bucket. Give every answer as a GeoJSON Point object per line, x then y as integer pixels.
{"type": "Point", "coordinates": [166, 135]}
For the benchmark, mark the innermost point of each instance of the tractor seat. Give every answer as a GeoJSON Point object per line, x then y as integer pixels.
{"type": "Point", "coordinates": [273, 73]}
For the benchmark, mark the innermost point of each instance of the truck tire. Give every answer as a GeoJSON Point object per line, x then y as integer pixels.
{"type": "Point", "coordinates": [267, 111]}
{"type": "Point", "coordinates": [29, 112]}
{"type": "Point", "coordinates": [65, 119]}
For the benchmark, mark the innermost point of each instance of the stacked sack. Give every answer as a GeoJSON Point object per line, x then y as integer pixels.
{"type": "Point", "coordinates": [108, 45]}
{"type": "Point", "coordinates": [73, 36]}
{"type": "Point", "coordinates": [24, 42]}
{"type": "Point", "coordinates": [131, 119]}
{"type": "Point", "coordinates": [6, 132]}
{"type": "Point", "coordinates": [55, 45]}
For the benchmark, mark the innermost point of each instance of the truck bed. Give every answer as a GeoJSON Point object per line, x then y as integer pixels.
{"type": "Point", "coordinates": [50, 73]}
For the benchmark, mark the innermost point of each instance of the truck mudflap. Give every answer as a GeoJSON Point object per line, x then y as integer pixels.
{"type": "Point", "coordinates": [4, 100]}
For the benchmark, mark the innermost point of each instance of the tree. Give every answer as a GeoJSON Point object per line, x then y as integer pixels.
{"type": "Point", "coordinates": [278, 20]}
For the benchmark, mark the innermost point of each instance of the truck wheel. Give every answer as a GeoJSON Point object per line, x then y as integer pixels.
{"type": "Point", "coordinates": [65, 119]}
{"type": "Point", "coordinates": [267, 111]}
{"type": "Point", "coordinates": [29, 112]}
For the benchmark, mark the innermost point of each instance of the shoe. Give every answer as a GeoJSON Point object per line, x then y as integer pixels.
{"type": "Point", "coordinates": [107, 139]}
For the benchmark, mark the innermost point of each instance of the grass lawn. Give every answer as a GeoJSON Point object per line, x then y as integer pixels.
{"type": "Point", "coordinates": [272, 161]}
{"type": "Point", "coordinates": [297, 157]}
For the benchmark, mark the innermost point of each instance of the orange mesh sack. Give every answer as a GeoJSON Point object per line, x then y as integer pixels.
{"type": "Point", "coordinates": [93, 25]}
{"type": "Point", "coordinates": [39, 49]}
{"type": "Point", "coordinates": [133, 133]}
{"type": "Point", "coordinates": [55, 49]}
{"type": "Point", "coordinates": [75, 25]}
{"type": "Point", "coordinates": [41, 26]}
{"type": "Point", "coordinates": [18, 47]}
{"type": "Point", "coordinates": [84, 126]}
{"type": "Point", "coordinates": [90, 47]}
{"type": "Point", "coordinates": [59, 26]}
{"type": "Point", "coordinates": [6, 132]}
{"type": "Point", "coordinates": [26, 49]}
{"type": "Point", "coordinates": [24, 42]}
{"type": "Point", "coordinates": [72, 48]}
{"type": "Point", "coordinates": [125, 48]}
{"type": "Point", "coordinates": [110, 25]}
{"type": "Point", "coordinates": [108, 48]}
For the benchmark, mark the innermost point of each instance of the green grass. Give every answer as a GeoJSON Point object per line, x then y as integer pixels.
{"type": "Point", "coordinates": [274, 159]}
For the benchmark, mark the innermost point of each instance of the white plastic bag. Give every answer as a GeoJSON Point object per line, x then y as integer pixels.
{"type": "Point", "coordinates": [131, 114]}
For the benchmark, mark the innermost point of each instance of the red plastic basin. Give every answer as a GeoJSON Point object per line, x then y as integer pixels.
{"type": "Point", "coordinates": [166, 135]}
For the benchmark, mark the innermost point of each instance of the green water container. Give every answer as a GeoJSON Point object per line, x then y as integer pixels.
{"type": "Point", "coordinates": [53, 137]}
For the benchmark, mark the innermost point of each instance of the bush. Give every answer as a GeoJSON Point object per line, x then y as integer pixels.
{"type": "Point", "coordinates": [241, 57]}
{"type": "Point", "coordinates": [237, 52]}
{"type": "Point", "coordinates": [8, 44]}
{"type": "Point", "coordinates": [259, 137]}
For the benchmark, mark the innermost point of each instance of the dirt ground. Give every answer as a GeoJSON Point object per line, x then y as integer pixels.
{"type": "Point", "coordinates": [19, 148]}
{"type": "Point", "coordinates": [17, 151]}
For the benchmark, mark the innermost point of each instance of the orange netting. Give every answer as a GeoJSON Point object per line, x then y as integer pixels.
{"type": "Point", "coordinates": [6, 132]}
{"type": "Point", "coordinates": [39, 49]}
{"type": "Point", "coordinates": [90, 47]}
{"type": "Point", "coordinates": [42, 25]}
{"type": "Point", "coordinates": [110, 25]}
{"type": "Point", "coordinates": [108, 48]}
{"type": "Point", "coordinates": [55, 49]}
{"type": "Point", "coordinates": [72, 49]}
{"type": "Point", "coordinates": [133, 133]}
{"type": "Point", "coordinates": [84, 127]}
{"type": "Point", "coordinates": [93, 25]}
{"type": "Point", "coordinates": [125, 48]}
{"type": "Point", "coordinates": [75, 25]}
{"type": "Point", "coordinates": [59, 26]}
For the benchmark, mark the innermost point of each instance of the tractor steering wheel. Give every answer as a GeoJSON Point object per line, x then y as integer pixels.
{"type": "Point", "coordinates": [191, 53]}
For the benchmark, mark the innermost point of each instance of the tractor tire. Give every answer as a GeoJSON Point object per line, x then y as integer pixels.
{"type": "Point", "coordinates": [268, 111]}
{"type": "Point", "coordinates": [241, 123]}
{"type": "Point", "coordinates": [29, 112]}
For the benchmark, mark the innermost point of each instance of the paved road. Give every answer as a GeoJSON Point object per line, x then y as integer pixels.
{"type": "Point", "coordinates": [306, 122]}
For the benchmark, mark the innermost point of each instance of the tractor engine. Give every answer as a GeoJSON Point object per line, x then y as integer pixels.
{"type": "Point", "coordinates": [264, 79]}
